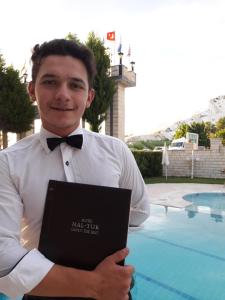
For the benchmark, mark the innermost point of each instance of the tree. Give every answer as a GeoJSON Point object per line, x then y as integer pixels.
{"type": "Point", "coordinates": [221, 134]}
{"type": "Point", "coordinates": [16, 110]}
{"type": "Point", "coordinates": [2, 63]}
{"type": "Point", "coordinates": [104, 85]}
{"type": "Point", "coordinates": [181, 131]}
{"type": "Point", "coordinates": [210, 128]}
{"type": "Point", "coordinates": [220, 124]}
{"type": "Point", "coordinates": [73, 37]}
{"type": "Point", "coordinates": [204, 130]}
{"type": "Point", "coordinates": [220, 129]}
{"type": "Point", "coordinates": [203, 135]}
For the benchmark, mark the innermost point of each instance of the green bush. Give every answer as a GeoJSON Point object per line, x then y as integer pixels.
{"type": "Point", "coordinates": [136, 146]}
{"type": "Point", "coordinates": [149, 162]}
{"type": "Point", "coordinates": [149, 144]}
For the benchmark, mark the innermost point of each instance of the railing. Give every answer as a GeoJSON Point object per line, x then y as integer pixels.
{"type": "Point", "coordinates": [122, 72]}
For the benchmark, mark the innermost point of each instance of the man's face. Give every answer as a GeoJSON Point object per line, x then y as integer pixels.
{"type": "Point", "coordinates": [62, 93]}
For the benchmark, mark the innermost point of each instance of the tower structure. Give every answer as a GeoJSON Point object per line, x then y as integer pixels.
{"type": "Point", "coordinates": [115, 121]}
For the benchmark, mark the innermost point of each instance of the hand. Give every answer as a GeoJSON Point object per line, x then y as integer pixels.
{"type": "Point", "coordinates": [114, 280]}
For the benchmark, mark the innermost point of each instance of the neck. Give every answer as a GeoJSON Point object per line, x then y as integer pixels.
{"type": "Point", "coordinates": [61, 132]}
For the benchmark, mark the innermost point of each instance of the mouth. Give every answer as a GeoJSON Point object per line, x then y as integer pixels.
{"type": "Point", "coordinates": [62, 108]}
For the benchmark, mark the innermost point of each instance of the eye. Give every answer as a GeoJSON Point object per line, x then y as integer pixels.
{"type": "Point", "coordinates": [49, 82]}
{"type": "Point", "coordinates": [76, 86]}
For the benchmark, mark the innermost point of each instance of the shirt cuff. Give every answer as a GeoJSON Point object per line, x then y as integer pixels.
{"type": "Point", "coordinates": [27, 274]}
{"type": "Point", "coordinates": [138, 216]}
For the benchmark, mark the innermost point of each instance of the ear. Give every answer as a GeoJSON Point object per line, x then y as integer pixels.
{"type": "Point", "coordinates": [91, 96]}
{"type": "Point", "coordinates": [31, 91]}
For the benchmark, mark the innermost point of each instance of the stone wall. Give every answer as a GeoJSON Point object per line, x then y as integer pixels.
{"type": "Point", "coordinates": [209, 163]}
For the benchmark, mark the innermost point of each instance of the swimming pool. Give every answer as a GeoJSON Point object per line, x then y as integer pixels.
{"type": "Point", "coordinates": [180, 255]}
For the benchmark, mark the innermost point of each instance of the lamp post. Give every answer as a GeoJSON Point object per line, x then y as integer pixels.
{"type": "Point", "coordinates": [132, 65]}
{"type": "Point", "coordinates": [120, 64]}
{"type": "Point", "coordinates": [120, 56]}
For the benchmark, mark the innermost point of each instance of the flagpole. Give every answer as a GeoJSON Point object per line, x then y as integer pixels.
{"type": "Point", "coordinates": [129, 54]}
{"type": "Point", "coordinates": [114, 54]}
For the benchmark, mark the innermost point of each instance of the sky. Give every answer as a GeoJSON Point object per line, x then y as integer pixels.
{"type": "Point", "coordinates": [178, 47]}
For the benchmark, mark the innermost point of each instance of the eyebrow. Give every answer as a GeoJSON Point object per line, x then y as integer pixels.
{"type": "Point", "coordinates": [75, 79]}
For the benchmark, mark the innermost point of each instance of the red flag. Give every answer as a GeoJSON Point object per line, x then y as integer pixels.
{"type": "Point", "coordinates": [111, 36]}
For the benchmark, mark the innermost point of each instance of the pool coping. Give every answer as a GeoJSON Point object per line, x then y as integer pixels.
{"type": "Point", "coordinates": [171, 194]}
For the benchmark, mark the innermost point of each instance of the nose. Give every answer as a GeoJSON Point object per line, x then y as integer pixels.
{"type": "Point", "coordinates": [62, 93]}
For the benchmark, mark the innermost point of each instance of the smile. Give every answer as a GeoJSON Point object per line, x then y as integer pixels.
{"type": "Point", "coordinates": [62, 109]}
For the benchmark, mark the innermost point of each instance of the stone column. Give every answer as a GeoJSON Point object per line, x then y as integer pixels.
{"type": "Point", "coordinates": [115, 121]}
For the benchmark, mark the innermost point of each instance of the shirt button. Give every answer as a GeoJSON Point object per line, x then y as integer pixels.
{"type": "Point", "coordinates": [67, 163]}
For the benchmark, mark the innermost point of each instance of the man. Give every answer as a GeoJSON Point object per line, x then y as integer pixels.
{"type": "Point", "coordinates": [62, 80]}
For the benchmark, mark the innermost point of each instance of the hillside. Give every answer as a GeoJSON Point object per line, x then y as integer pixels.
{"type": "Point", "coordinates": [215, 111]}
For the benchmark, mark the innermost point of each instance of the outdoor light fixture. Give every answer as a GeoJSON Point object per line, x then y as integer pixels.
{"type": "Point", "coordinates": [132, 65]}
{"type": "Point", "coordinates": [121, 57]}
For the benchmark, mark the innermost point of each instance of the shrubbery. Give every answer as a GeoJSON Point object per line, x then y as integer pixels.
{"type": "Point", "coordinates": [149, 162]}
{"type": "Point", "coordinates": [150, 144]}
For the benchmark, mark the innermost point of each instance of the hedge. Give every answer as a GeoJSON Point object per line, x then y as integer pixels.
{"type": "Point", "coordinates": [149, 162]}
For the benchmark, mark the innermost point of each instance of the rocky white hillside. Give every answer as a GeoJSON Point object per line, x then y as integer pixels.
{"type": "Point", "coordinates": [215, 111]}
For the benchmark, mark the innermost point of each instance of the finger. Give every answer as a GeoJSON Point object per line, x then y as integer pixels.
{"type": "Point", "coordinates": [130, 269]}
{"type": "Point", "coordinates": [119, 255]}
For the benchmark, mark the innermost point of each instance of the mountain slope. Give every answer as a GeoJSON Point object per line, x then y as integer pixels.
{"type": "Point", "coordinates": [215, 111]}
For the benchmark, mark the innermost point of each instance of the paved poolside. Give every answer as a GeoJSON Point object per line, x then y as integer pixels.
{"type": "Point", "coordinates": [171, 194]}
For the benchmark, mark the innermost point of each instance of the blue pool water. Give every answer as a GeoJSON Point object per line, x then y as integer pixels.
{"type": "Point", "coordinates": [181, 255]}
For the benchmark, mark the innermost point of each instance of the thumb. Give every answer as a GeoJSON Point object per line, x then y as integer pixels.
{"type": "Point", "coordinates": [119, 255]}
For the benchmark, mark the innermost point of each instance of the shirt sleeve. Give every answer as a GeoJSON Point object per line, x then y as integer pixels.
{"type": "Point", "coordinates": [30, 270]}
{"type": "Point", "coordinates": [131, 178]}
{"type": "Point", "coordinates": [20, 270]}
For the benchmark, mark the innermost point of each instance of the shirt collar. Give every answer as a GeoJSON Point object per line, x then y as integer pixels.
{"type": "Point", "coordinates": [44, 134]}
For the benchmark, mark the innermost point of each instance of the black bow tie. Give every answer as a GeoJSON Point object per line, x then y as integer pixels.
{"type": "Point", "coordinates": [75, 141]}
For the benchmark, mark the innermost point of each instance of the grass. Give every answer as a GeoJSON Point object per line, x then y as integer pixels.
{"type": "Point", "coordinates": [184, 180]}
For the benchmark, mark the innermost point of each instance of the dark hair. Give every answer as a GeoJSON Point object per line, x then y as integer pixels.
{"type": "Point", "coordinates": [64, 47]}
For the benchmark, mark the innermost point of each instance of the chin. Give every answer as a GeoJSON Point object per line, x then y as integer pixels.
{"type": "Point", "coordinates": [64, 123]}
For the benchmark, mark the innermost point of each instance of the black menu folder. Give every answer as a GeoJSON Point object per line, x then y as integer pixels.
{"type": "Point", "coordinates": [82, 223]}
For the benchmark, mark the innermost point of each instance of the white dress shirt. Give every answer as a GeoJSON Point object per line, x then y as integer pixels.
{"type": "Point", "coordinates": [25, 170]}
